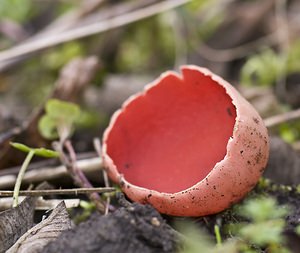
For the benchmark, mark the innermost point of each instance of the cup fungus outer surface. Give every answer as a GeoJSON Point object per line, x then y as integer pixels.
{"type": "Point", "coordinates": [140, 135]}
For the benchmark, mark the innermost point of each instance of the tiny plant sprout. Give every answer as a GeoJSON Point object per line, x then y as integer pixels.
{"type": "Point", "coordinates": [47, 153]}
{"type": "Point", "coordinates": [58, 122]}
{"type": "Point", "coordinates": [189, 144]}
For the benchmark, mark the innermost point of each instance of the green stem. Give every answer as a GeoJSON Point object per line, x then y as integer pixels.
{"type": "Point", "coordinates": [218, 235]}
{"type": "Point", "coordinates": [20, 177]}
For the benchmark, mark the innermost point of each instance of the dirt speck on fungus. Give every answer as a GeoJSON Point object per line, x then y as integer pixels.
{"type": "Point", "coordinates": [256, 120]}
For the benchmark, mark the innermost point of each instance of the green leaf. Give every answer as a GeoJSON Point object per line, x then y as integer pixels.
{"type": "Point", "coordinates": [21, 147]}
{"type": "Point", "coordinates": [17, 10]}
{"type": "Point", "coordinates": [62, 111]}
{"type": "Point", "coordinates": [48, 127]}
{"type": "Point", "coordinates": [289, 132]}
{"type": "Point", "coordinates": [56, 59]}
{"type": "Point", "coordinates": [293, 62]}
{"type": "Point", "coordinates": [196, 240]}
{"type": "Point", "coordinates": [90, 119]}
{"type": "Point", "coordinates": [297, 230]}
{"type": "Point", "coordinates": [262, 69]}
{"type": "Point", "coordinates": [86, 205]}
{"type": "Point", "coordinates": [264, 233]}
{"type": "Point", "coordinates": [48, 153]}
{"type": "Point", "coordinates": [59, 119]}
{"type": "Point", "coordinates": [262, 209]}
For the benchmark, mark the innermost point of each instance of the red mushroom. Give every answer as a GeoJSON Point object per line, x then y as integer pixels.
{"type": "Point", "coordinates": [189, 145]}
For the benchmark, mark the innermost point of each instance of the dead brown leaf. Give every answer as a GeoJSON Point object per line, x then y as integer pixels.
{"type": "Point", "coordinates": [34, 240]}
{"type": "Point", "coordinates": [15, 222]}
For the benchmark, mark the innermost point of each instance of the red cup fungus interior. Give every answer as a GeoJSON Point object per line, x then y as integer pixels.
{"type": "Point", "coordinates": [171, 136]}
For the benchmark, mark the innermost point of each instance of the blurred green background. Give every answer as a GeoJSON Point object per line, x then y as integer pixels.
{"type": "Point", "coordinates": [253, 44]}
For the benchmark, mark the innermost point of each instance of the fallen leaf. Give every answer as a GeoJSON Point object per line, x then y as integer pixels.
{"type": "Point", "coordinates": [14, 222]}
{"type": "Point", "coordinates": [46, 231]}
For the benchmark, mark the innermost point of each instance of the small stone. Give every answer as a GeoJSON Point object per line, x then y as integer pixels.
{"type": "Point", "coordinates": [155, 222]}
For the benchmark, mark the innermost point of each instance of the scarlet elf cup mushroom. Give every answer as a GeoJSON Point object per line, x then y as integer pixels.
{"type": "Point", "coordinates": [189, 144]}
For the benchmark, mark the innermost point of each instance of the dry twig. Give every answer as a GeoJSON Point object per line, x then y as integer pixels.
{"type": "Point", "coordinates": [282, 118]}
{"type": "Point", "coordinates": [225, 55]}
{"type": "Point", "coordinates": [97, 145]}
{"type": "Point", "coordinates": [238, 50]}
{"type": "Point", "coordinates": [71, 18]}
{"type": "Point", "coordinates": [34, 176]}
{"type": "Point", "coordinates": [284, 47]}
{"type": "Point", "coordinates": [40, 204]}
{"type": "Point", "coordinates": [58, 191]}
{"type": "Point", "coordinates": [88, 30]}
{"type": "Point", "coordinates": [86, 13]}
{"type": "Point", "coordinates": [79, 178]}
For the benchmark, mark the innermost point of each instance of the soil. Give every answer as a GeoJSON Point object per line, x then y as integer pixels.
{"type": "Point", "coordinates": [134, 228]}
{"type": "Point", "coordinates": [140, 228]}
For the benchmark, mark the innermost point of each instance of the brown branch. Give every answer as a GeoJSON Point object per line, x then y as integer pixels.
{"type": "Point", "coordinates": [58, 192]}
{"type": "Point", "coordinates": [238, 49]}
{"type": "Point", "coordinates": [79, 178]}
{"type": "Point", "coordinates": [284, 47]}
{"type": "Point", "coordinates": [71, 18]}
{"type": "Point", "coordinates": [88, 30]}
{"type": "Point", "coordinates": [97, 145]}
{"type": "Point", "coordinates": [230, 54]}
{"type": "Point", "coordinates": [40, 204]}
{"type": "Point", "coordinates": [76, 172]}
{"type": "Point", "coordinates": [90, 165]}
{"type": "Point", "coordinates": [282, 118]}
{"type": "Point", "coordinates": [82, 16]}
